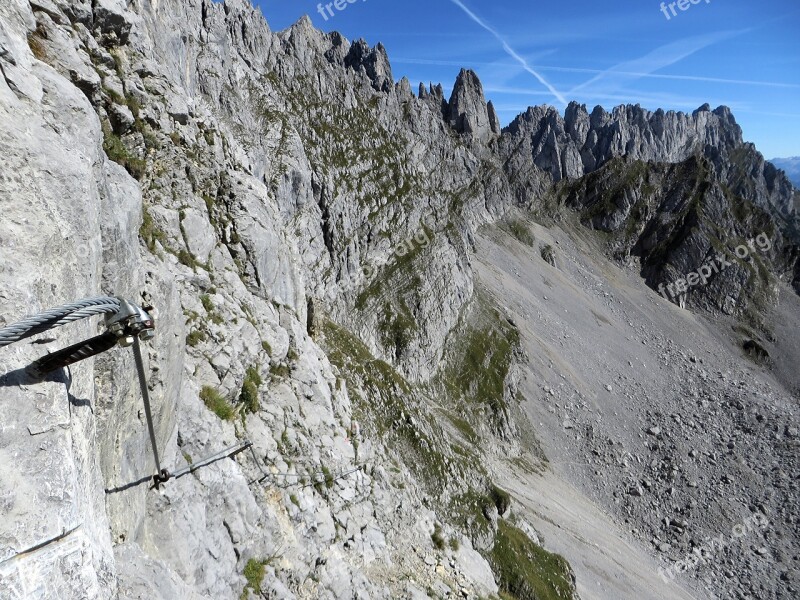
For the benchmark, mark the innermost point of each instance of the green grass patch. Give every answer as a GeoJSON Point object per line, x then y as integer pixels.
{"type": "Point", "coordinates": [328, 477]}
{"type": "Point", "coordinates": [548, 254]}
{"type": "Point", "coordinates": [216, 403]}
{"type": "Point", "coordinates": [205, 300]}
{"type": "Point", "coordinates": [115, 96]}
{"type": "Point", "coordinates": [188, 259]}
{"type": "Point", "coordinates": [133, 105]}
{"type": "Point", "coordinates": [437, 537]}
{"type": "Point", "coordinates": [463, 427]}
{"type": "Point", "coordinates": [254, 572]}
{"type": "Point", "coordinates": [468, 512]}
{"type": "Point", "coordinates": [525, 571]}
{"type": "Point", "coordinates": [249, 394]}
{"type": "Point", "coordinates": [254, 376]}
{"type": "Point", "coordinates": [500, 498]}
{"type": "Point", "coordinates": [385, 402]}
{"type": "Point", "coordinates": [149, 231]}
{"type": "Point", "coordinates": [195, 337]}
{"type": "Point", "coordinates": [149, 136]}
{"type": "Point", "coordinates": [481, 358]}
{"type": "Point", "coordinates": [280, 371]}
{"type": "Point", "coordinates": [520, 230]}
{"type": "Point", "coordinates": [116, 151]}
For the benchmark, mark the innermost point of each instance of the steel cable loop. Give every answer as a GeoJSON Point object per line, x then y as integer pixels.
{"type": "Point", "coordinates": [56, 317]}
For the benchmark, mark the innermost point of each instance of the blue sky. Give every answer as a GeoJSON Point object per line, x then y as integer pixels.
{"type": "Point", "coordinates": [742, 53]}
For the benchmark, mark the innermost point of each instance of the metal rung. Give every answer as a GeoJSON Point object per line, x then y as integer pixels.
{"type": "Point", "coordinates": [228, 452]}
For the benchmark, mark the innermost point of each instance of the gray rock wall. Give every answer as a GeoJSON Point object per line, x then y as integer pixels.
{"type": "Point", "coordinates": [54, 176]}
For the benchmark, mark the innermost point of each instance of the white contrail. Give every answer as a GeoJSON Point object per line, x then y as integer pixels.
{"type": "Point", "coordinates": [510, 51]}
{"type": "Point", "coordinates": [660, 58]}
{"type": "Point", "coordinates": [642, 74]}
{"type": "Point", "coordinates": [683, 77]}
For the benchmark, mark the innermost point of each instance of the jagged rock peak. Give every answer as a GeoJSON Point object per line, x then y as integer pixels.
{"type": "Point", "coordinates": [494, 121]}
{"type": "Point", "coordinates": [305, 40]}
{"type": "Point", "coordinates": [467, 109]}
{"type": "Point", "coordinates": [304, 22]}
{"type": "Point", "coordinates": [243, 6]}
{"type": "Point", "coordinates": [403, 89]}
{"type": "Point", "coordinates": [303, 27]}
{"type": "Point", "coordinates": [374, 62]}
{"type": "Point", "coordinates": [580, 142]}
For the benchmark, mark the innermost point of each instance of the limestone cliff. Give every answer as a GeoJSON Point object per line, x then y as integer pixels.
{"type": "Point", "coordinates": [305, 227]}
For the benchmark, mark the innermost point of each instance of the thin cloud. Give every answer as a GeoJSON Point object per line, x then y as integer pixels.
{"type": "Point", "coordinates": [500, 89]}
{"type": "Point", "coordinates": [456, 63]}
{"type": "Point", "coordinates": [680, 77]}
{"type": "Point", "coordinates": [460, 62]}
{"type": "Point", "coordinates": [770, 114]}
{"type": "Point", "coordinates": [659, 58]}
{"type": "Point", "coordinates": [510, 51]}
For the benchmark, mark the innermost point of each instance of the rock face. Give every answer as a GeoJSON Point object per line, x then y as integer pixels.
{"type": "Point", "coordinates": [579, 143]}
{"type": "Point", "coordinates": [373, 62]}
{"type": "Point", "coordinates": [695, 241]}
{"type": "Point", "coordinates": [305, 227]}
{"type": "Point", "coordinates": [657, 216]}
{"type": "Point", "coordinates": [468, 111]}
{"type": "Point", "coordinates": [52, 489]}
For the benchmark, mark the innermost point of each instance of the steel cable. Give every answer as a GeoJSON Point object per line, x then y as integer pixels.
{"type": "Point", "coordinates": [56, 317]}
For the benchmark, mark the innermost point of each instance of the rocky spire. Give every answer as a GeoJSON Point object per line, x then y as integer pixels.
{"type": "Point", "coordinates": [372, 61]}
{"type": "Point", "coordinates": [467, 109]}
{"type": "Point", "coordinates": [494, 121]}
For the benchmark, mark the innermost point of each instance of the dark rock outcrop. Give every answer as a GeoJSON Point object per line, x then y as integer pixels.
{"type": "Point", "coordinates": [467, 110]}
{"type": "Point", "coordinates": [374, 62]}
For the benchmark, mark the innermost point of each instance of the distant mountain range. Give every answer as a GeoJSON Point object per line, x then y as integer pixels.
{"type": "Point", "coordinates": [791, 166]}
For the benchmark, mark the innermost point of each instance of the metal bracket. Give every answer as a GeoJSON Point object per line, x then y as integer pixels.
{"type": "Point", "coordinates": [129, 323]}
{"type": "Point", "coordinates": [125, 327]}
